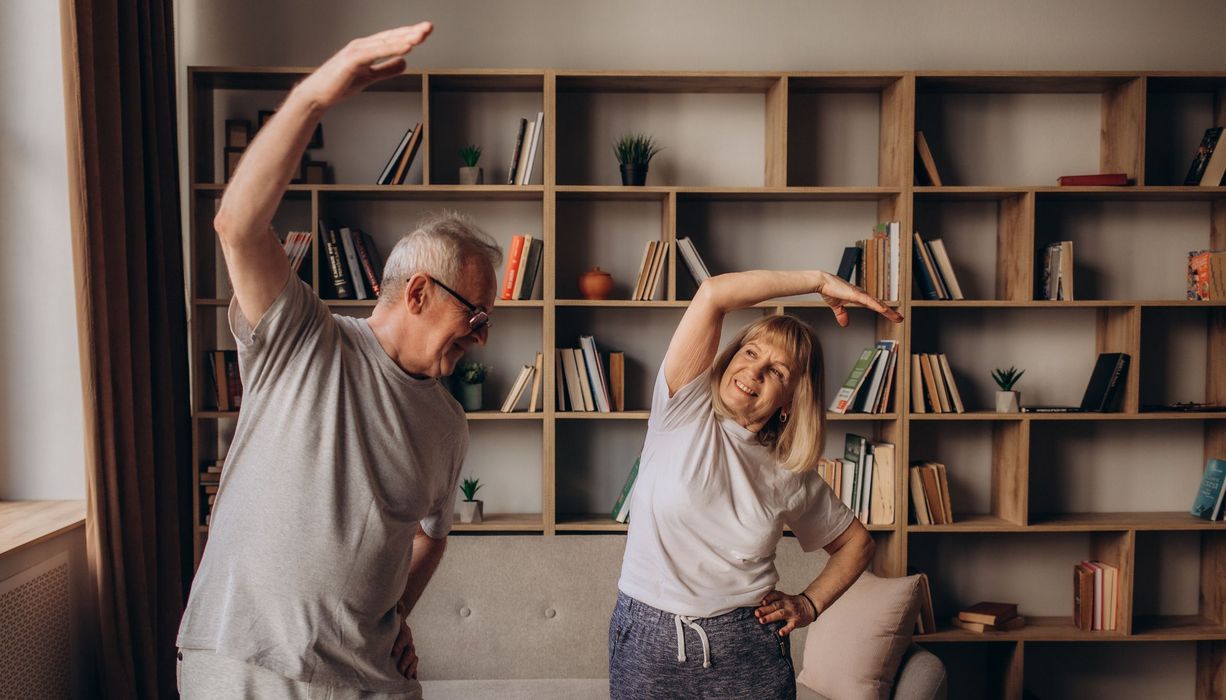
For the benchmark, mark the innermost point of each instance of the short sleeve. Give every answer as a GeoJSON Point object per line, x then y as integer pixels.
{"type": "Point", "coordinates": [691, 402]}
{"type": "Point", "coordinates": [437, 524]}
{"type": "Point", "coordinates": [818, 516]}
{"type": "Point", "coordinates": [295, 321]}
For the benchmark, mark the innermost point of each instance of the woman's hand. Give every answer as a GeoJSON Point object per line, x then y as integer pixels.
{"type": "Point", "coordinates": [795, 610]}
{"type": "Point", "coordinates": [362, 62]}
{"type": "Point", "coordinates": [837, 293]}
{"type": "Point", "coordinates": [403, 651]}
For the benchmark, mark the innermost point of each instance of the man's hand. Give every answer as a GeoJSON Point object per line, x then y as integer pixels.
{"type": "Point", "coordinates": [796, 610]}
{"type": "Point", "coordinates": [362, 62]}
{"type": "Point", "coordinates": [403, 650]}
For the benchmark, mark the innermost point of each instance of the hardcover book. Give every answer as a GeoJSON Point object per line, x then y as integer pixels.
{"type": "Point", "coordinates": [1208, 503]}
{"type": "Point", "coordinates": [1106, 382]}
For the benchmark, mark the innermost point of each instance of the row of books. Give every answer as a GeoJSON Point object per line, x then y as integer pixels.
{"type": "Point", "coordinates": [1207, 274]}
{"type": "Point", "coordinates": [355, 270]}
{"type": "Point", "coordinates": [527, 143]}
{"type": "Point", "coordinates": [1057, 278]}
{"type": "Point", "coordinates": [519, 281]}
{"type": "Point", "coordinates": [397, 167]}
{"type": "Point", "coordinates": [584, 384]}
{"type": "Point", "coordinates": [297, 244]}
{"type": "Point", "coordinates": [930, 493]}
{"type": "Point", "coordinates": [1095, 596]}
{"type": "Point", "coordinates": [528, 375]}
{"type": "Point", "coordinates": [651, 271]}
{"type": "Point", "coordinates": [933, 389]}
{"type": "Point", "coordinates": [1208, 502]}
{"type": "Point", "coordinates": [934, 274]}
{"type": "Point", "coordinates": [863, 478]}
{"type": "Point", "coordinates": [988, 615]}
{"type": "Point", "coordinates": [873, 263]}
{"type": "Point", "coordinates": [867, 387]}
{"type": "Point", "coordinates": [225, 379]}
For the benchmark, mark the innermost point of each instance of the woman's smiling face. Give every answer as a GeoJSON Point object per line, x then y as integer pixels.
{"type": "Point", "coordinates": [758, 381]}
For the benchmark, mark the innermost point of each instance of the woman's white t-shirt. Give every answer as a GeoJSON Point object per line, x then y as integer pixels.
{"type": "Point", "coordinates": [709, 506]}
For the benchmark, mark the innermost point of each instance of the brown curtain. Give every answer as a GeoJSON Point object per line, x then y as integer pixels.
{"type": "Point", "coordinates": [123, 179]}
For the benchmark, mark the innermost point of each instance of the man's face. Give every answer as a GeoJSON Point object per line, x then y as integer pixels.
{"type": "Point", "coordinates": [449, 335]}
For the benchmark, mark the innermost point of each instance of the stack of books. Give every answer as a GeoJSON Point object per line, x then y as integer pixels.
{"type": "Point", "coordinates": [1095, 596]}
{"type": "Point", "coordinates": [986, 616]}
{"type": "Point", "coordinates": [527, 143]}
{"type": "Point", "coordinates": [930, 493]}
{"type": "Point", "coordinates": [1207, 275]}
{"type": "Point", "coordinates": [355, 269]}
{"type": "Point", "coordinates": [934, 274]}
{"type": "Point", "coordinates": [621, 509]}
{"type": "Point", "coordinates": [584, 385]}
{"type": "Point", "coordinates": [224, 376]}
{"type": "Point", "coordinates": [693, 261]}
{"type": "Point", "coordinates": [867, 388]}
{"type": "Point", "coordinates": [397, 167]}
{"type": "Point", "coordinates": [651, 271]}
{"type": "Point", "coordinates": [519, 281]}
{"type": "Point", "coordinates": [863, 479]}
{"type": "Point", "coordinates": [933, 389]}
{"type": "Point", "coordinates": [1208, 503]}
{"type": "Point", "coordinates": [873, 263]}
{"type": "Point", "coordinates": [210, 482]}
{"type": "Point", "coordinates": [1057, 277]}
{"type": "Point", "coordinates": [528, 374]}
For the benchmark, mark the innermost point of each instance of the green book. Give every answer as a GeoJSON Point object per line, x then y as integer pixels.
{"type": "Point", "coordinates": [854, 449]}
{"type": "Point", "coordinates": [847, 393]}
{"type": "Point", "coordinates": [1208, 503]}
{"type": "Point", "coordinates": [621, 509]}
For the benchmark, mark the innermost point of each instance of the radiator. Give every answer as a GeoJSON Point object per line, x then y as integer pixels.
{"type": "Point", "coordinates": [35, 632]}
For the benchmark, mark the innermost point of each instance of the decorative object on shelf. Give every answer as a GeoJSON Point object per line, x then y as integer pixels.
{"type": "Point", "coordinates": [238, 133]}
{"type": "Point", "coordinates": [470, 508]}
{"type": "Point", "coordinates": [470, 378]}
{"type": "Point", "coordinates": [595, 284]}
{"type": "Point", "coordinates": [1007, 398]}
{"type": "Point", "coordinates": [634, 152]}
{"type": "Point", "coordinates": [316, 172]}
{"type": "Point", "coordinates": [470, 174]}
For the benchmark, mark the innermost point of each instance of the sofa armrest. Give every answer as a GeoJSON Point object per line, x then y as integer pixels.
{"type": "Point", "coordinates": [921, 676]}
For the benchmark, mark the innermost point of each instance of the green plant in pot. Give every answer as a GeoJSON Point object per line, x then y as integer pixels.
{"type": "Point", "coordinates": [634, 152]}
{"type": "Point", "coordinates": [1007, 400]}
{"type": "Point", "coordinates": [470, 507]}
{"type": "Point", "coordinates": [468, 381]}
{"type": "Point", "coordinates": [470, 174]}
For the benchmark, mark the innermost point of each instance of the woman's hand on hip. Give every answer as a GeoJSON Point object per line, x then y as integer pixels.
{"type": "Point", "coordinates": [795, 610]}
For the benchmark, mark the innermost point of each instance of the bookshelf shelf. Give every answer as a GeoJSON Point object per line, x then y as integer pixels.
{"type": "Point", "coordinates": [771, 169]}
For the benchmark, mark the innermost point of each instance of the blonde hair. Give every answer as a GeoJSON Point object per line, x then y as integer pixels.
{"type": "Point", "coordinates": [797, 443]}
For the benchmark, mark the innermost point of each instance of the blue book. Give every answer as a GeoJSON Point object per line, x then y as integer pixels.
{"type": "Point", "coordinates": [1208, 503]}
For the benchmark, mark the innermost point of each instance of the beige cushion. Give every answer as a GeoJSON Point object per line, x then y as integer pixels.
{"type": "Point", "coordinates": [853, 649]}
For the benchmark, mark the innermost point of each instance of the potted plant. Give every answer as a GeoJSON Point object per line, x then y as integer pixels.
{"type": "Point", "coordinates": [470, 174]}
{"type": "Point", "coordinates": [634, 152]}
{"type": "Point", "coordinates": [470, 508]}
{"type": "Point", "coordinates": [470, 378]}
{"type": "Point", "coordinates": [1007, 398]}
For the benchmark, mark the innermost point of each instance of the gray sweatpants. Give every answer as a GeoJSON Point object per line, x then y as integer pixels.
{"type": "Point", "coordinates": [654, 655]}
{"type": "Point", "coordinates": [204, 675]}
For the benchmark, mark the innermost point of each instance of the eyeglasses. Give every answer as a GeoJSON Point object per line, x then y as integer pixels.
{"type": "Point", "coordinates": [480, 318]}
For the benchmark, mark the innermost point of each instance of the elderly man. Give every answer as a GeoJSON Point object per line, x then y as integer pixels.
{"type": "Point", "coordinates": [339, 483]}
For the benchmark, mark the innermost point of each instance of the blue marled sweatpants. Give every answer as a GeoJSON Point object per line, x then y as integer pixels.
{"type": "Point", "coordinates": [743, 659]}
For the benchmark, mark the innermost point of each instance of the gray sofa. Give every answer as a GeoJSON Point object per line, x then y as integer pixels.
{"type": "Point", "coordinates": [527, 617]}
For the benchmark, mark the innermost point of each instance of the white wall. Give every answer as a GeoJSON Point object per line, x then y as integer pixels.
{"type": "Point", "coordinates": [41, 445]}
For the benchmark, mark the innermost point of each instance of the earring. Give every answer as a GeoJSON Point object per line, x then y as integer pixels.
{"type": "Point", "coordinates": [783, 416]}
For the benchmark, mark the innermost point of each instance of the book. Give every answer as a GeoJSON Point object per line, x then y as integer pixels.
{"type": "Point", "coordinates": [621, 508]}
{"type": "Point", "coordinates": [1096, 614]}
{"type": "Point", "coordinates": [1206, 274]}
{"type": "Point", "coordinates": [517, 389]}
{"type": "Point", "coordinates": [881, 511]}
{"type": "Point", "coordinates": [1200, 159]}
{"type": "Point", "coordinates": [989, 613]}
{"type": "Point", "coordinates": [1214, 169]}
{"type": "Point", "coordinates": [943, 485]}
{"type": "Point", "coordinates": [846, 395]}
{"type": "Point", "coordinates": [644, 268]}
{"type": "Point", "coordinates": [530, 269]}
{"type": "Point", "coordinates": [942, 392]}
{"type": "Point", "coordinates": [351, 263]}
{"type": "Point", "coordinates": [930, 384]}
{"type": "Point", "coordinates": [595, 373]}
{"type": "Point", "coordinates": [929, 166]}
{"type": "Point", "coordinates": [948, 374]}
{"type": "Point", "coordinates": [917, 386]}
{"type": "Point", "coordinates": [574, 390]}
{"type": "Point", "coordinates": [946, 270]}
{"type": "Point", "coordinates": [925, 271]}
{"type": "Point", "coordinates": [538, 371]}
{"type": "Point", "coordinates": [866, 401]}
{"type": "Point", "coordinates": [1099, 180]}
{"type": "Point", "coordinates": [406, 161]}
{"type": "Point", "coordinates": [1106, 382]}
{"type": "Point", "coordinates": [847, 266]}
{"type": "Point", "coordinates": [1013, 623]}
{"type": "Point", "coordinates": [1051, 409]}
{"type": "Point", "coordinates": [855, 449]}
{"type": "Point", "coordinates": [693, 261]}
{"type": "Point", "coordinates": [1111, 577]}
{"type": "Point", "coordinates": [519, 145]}
{"type": "Point", "coordinates": [926, 620]}
{"type": "Point", "coordinates": [923, 514]}
{"type": "Point", "coordinates": [521, 267]}
{"type": "Point", "coordinates": [534, 145]}
{"type": "Point", "coordinates": [559, 381]}
{"type": "Point", "coordinates": [932, 493]}
{"type": "Point", "coordinates": [523, 154]}
{"type": "Point", "coordinates": [1208, 502]}
{"type": "Point", "coordinates": [617, 380]}
{"type": "Point", "coordinates": [336, 264]}
{"type": "Point", "coordinates": [385, 175]}
{"type": "Point", "coordinates": [657, 270]}
{"type": "Point", "coordinates": [512, 269]}
{"type": "Point", "coordinates": [369, 261]}
{"type": "Point", "coordinates": [865, 496]}
{"type": "Point", "coordinates": [581, 376]}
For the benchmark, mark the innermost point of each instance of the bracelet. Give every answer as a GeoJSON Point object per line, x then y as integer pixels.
{"type": "Point", "coordinates": [811, 603]}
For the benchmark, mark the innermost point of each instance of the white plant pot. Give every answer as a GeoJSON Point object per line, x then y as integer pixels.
{"type": "Point", "coordinates": [470, 511]}
{"type": "Point", "coordinates": [1007, 402]}
{"type": "Point", "coordinates": [472, 175]}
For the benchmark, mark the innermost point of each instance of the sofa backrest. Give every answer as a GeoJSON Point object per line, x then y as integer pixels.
{"type": "Point", "coordinates": [538, 607]}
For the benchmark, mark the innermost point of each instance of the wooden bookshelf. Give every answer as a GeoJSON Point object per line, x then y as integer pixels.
{"type": "Point", "coordinates": [806, 162]}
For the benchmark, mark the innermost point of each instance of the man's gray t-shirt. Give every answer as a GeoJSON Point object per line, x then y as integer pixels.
{"type": "Point", "coordinates": [337, 457]}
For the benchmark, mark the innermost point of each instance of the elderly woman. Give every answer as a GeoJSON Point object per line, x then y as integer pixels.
{"type": "Point", "coordinates": [727, 462]}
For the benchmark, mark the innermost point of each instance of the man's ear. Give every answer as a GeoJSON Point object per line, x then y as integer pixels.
{"type": "Point", "coordinates": [415, 293]}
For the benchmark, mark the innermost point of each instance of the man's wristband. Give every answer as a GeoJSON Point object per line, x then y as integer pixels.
{"type": "Point", "coordinates": [811, 604]}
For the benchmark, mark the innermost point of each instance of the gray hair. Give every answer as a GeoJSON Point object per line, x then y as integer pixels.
{"type": "Point", "coordinates": [439, 246]}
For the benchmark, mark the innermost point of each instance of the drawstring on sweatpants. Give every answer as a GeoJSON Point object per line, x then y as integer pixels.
{"type": "Point", "coordinates": [702, 635]}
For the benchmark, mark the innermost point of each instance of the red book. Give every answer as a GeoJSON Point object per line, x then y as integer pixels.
{"type": "Point", "coordinates": [1104, 179]}
{"type": "Point", "coordinates": [508, 279]}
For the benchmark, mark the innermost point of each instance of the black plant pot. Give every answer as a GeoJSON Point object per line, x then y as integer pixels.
{"type": "Point", "coordinates": [634, 174]}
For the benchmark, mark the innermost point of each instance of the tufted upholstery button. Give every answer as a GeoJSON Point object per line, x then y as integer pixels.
{"type": "Point", "coordinates": [465, 612]}
{"type": "Point", "coordinates": [550, 612]}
